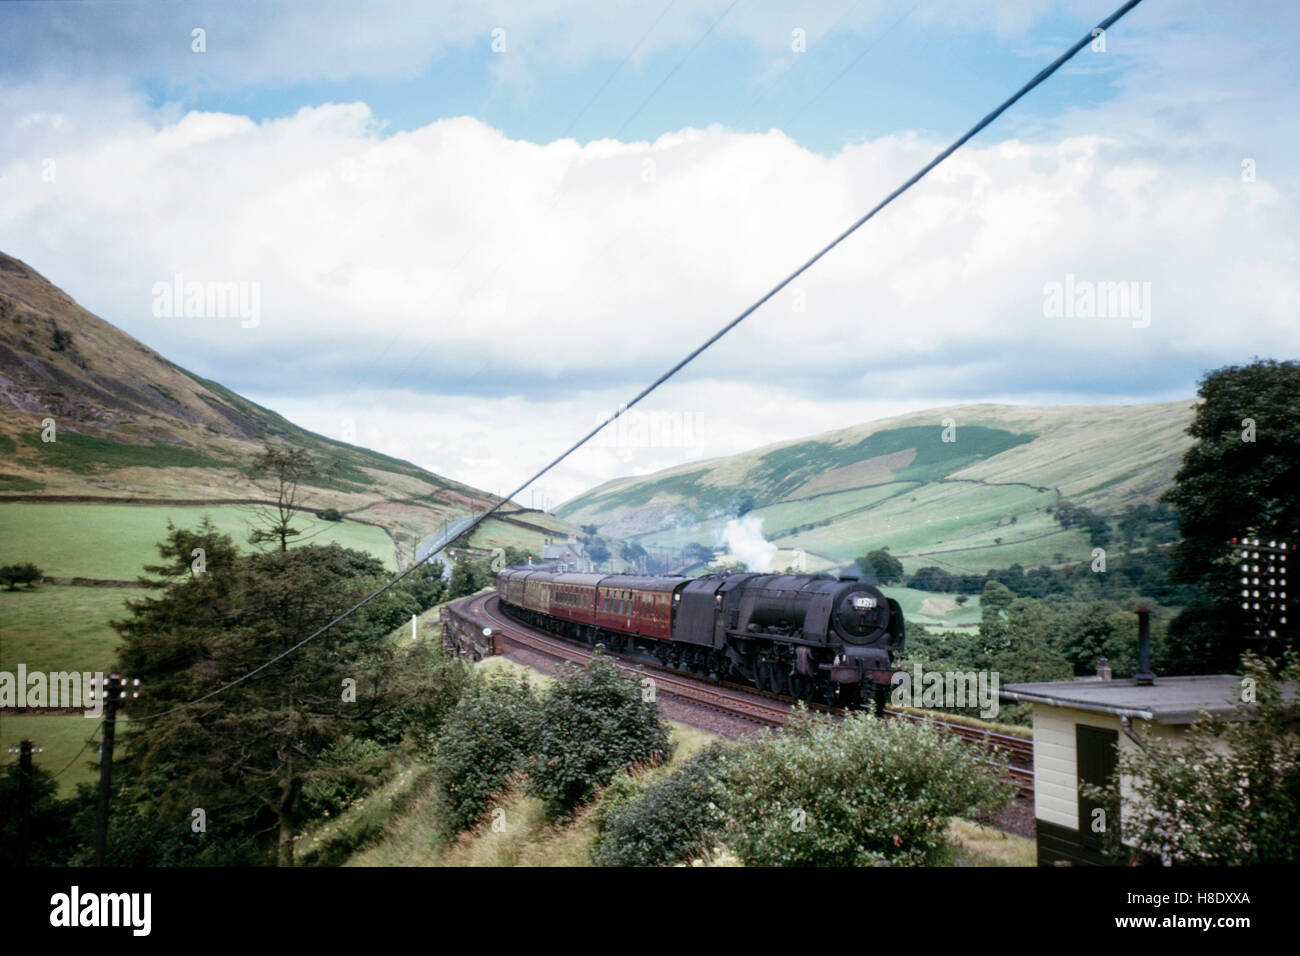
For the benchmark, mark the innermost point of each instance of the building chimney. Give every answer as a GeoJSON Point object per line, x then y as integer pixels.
{"type": "Point", "coordinates": [1144, 676]}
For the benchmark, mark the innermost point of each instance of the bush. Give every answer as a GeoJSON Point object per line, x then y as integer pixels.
{"type": "Point", "coordinates": [352, 767]}
{"type": "Point", "coordinates": [594, 722]}
{"type": "Point", "coordinates": [485, 739]}
{"type": "Point", "coordinates": [853, 793]}
{"type": "Point", "coordinates": [330, 514]}
{"type": "Point", "coordinates": [13, 575]}
{"type": "Point", "coordinates": [672, 820]}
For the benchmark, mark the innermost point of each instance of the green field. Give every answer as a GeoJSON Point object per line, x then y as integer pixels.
{"type": "Point", "coordinates": [54, 628]}
{"type": "Point", "coordinates": [932, 609]}
{"type": "Point", "coordinates": [114, 542]}
{"type": "Point", "coordinates": [61, 736]}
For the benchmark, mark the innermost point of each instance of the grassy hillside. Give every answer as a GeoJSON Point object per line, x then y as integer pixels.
{"type": "Point", "coordinates": [130, 424]}
{"type": "Point", "coordinates": [971, 496]}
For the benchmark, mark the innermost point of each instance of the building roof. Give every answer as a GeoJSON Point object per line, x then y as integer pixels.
{"type": "Point", "coordinates": [1170, 700]}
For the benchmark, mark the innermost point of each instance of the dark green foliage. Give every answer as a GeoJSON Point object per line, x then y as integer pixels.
{"type": "Point", "coordinates": [13, 575]}
{"type": "Point", "coordinates": [853, 793]}
{"type": "Point", "coordinates": [469, 576]}
{"type": "Point", "coordinates": [673, 820]}
{"type": "Point", "coordinates": [594, 722]}
{"type": "Point", "coordinates": [1240, 478]}
{"type": "Point", "coordinates": [485, 740]}
{"type": "Point", "coordinates": [264, 754]}
{"type": "Point", "coordinates": [358, 763]}
{"type": "Point", "coordinates": [330, 514]}
{"type": "Point", "coordinates": [1227, 795]}
{"type": "Point", "coordinates": [1025, 639]}
{"type": "Point", "coordinates": [881, 567]}
{"type": "Point", "coordinates": [52, 831]}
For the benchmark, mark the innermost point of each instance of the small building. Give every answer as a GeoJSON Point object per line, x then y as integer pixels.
{"type": "Point", "coordinates": [1080, 728]}
{"type": "Point", "coordinates": [570, 555]}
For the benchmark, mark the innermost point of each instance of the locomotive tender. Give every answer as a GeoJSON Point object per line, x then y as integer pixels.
{"type": "Point", "coordinates": [814, 637]}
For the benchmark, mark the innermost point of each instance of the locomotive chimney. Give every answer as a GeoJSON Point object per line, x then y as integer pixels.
{"type": "Point", "coordinates": [1144, 676]}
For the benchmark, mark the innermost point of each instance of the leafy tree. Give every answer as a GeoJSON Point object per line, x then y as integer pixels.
{"type": "Point", "coordinates": [995, 598]}
{"type": "Point", "coordinates": [594, 722]}
{"type": "Point", "coordinates": [1240, 478]}
{"type": "Point", "coordinates": [881, 566]}
{"type": "Point", "coordinates": [695, 553]}
{"type": "Point", "coordinates": [598, 551]}
{"type": "Point", "coordinates": [469, 577]}
{"type": "Point", "coordinates": [16, 574]}
{"type": "Point", "coordinates": [330, 514]}
{"type": "Point", "coordinates": [1227, 794]}
{"type": "Point", "coordinates": [631, 552]}
{"type": "Point", "coordinates": [588, 529]}
{"type": "Point", "coordinates": [249, 755]}
{"type": "Point", "coordinates": [280, 471]}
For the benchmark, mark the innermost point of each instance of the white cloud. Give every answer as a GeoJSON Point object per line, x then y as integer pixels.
{"type": "Point", "coordinates": [474, 299]}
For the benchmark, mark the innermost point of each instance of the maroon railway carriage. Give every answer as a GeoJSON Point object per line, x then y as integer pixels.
{"type": "Point", "coordinates": [809, 636]}
{"type": "Point", "coordinates": [580, 605]}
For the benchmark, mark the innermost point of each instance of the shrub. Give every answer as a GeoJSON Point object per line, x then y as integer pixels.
{"type": "Point", "coordinates": [13, 575]}
{"type": "Point", "coordinates": [352, 766]}
{"type": "Point", "coordinates": [594, 722]}
{"type": "Point", "coordinates": [853, 793]}
{"type": "Point", "coordinates": [484, 740]}
{"type": "Point", "coordinates": [670, 821]}
{"type": "Point", "coordinates": [330, 514]}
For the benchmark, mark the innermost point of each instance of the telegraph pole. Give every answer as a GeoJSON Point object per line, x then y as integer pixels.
{"type": "Point", "coordinates": [114, 692]}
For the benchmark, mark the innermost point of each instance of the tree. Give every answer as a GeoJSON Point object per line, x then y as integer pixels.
{"type": "Point", "coordinates": [279, 471]}
{"type": "Point", "coordinates": [1240, 478]}
{"type": "Point", "coordinates": [16, 574]}
{"type": "Point", "coordinates": [881, 566]}
{"type": "Point", "coordinates": [597, 551]}
{"type": "Point", "coordinates": [248, 755]}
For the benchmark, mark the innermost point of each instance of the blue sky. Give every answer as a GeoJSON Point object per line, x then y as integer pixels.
{"type": "Point", "coordinates": [459, 249]}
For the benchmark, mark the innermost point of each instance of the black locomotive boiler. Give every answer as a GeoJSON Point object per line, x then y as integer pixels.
{"type": "Point", "coordinates": [815, 637]}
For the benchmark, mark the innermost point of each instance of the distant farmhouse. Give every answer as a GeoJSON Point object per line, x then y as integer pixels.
{"type": "Point", "coordinates": [568, 555]}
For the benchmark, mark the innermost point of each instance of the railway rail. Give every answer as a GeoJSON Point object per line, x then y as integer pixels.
{"type": "Point", "coordinates": [478, 626]}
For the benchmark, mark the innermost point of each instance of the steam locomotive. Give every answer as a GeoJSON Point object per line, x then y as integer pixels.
{"type": "Point", "coordinates": [813, 637]}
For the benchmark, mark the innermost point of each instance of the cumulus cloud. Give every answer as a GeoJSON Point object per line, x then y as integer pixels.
{"type": "Point", "coordinates": [456, 292]}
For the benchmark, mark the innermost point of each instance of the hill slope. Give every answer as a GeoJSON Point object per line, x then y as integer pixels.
{"type": "Point", "coordinates": [132, 425]}
{"type": "Point", "coordinates": [974, 496]}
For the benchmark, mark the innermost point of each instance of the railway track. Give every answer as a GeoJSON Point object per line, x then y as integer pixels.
{"type": "Point", "coordinates": [469, 616]}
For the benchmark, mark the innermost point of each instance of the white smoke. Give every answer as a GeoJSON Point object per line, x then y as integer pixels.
{"type": "Point", "coordinates": [744, 538]}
